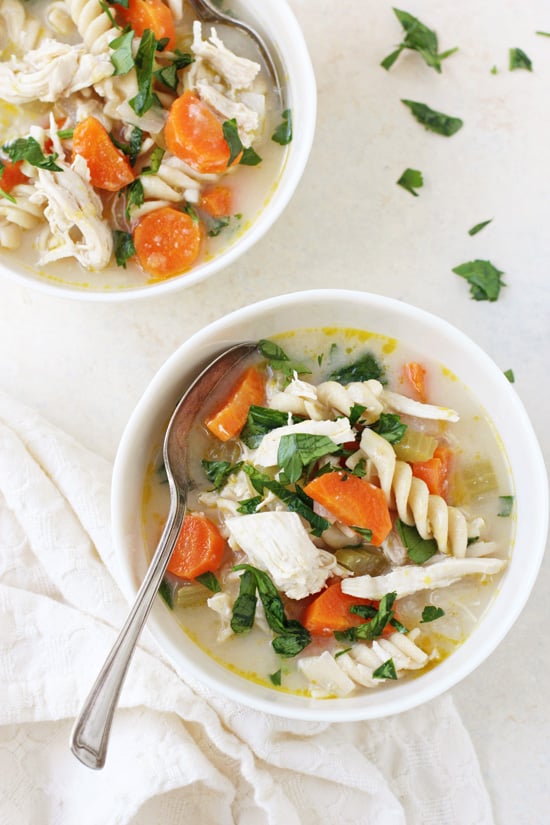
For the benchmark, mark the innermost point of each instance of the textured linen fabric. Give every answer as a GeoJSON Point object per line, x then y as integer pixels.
{"type": "Point", "coordinates": [178, 752]}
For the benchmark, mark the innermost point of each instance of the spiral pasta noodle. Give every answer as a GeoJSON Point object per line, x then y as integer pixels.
{"type": "Point", "coordinates": [93, 25]}
{"type": "Point", "coordinates": [21, 29]}
{"type": "Point", "coordinates": [19, 216]}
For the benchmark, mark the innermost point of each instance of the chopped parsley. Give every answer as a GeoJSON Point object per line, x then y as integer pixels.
{"type": "Point", "coordinates": [431, 613]}
{"type": "Point", "coordinates": [419, 38]}
{"type": "Point", "coordinates": [484, 279]}
{"type": "Point", "coordinates": [411, 179]}
{"type": "Point", "coordinates": [519, 60]}
{"type": "Point", "coordinates": [390, 427]}
{"type": "Point", "coordinates": [510, 375]}
{"type": "Point", "coordinates": [434, 121]}
{"type": "Point", "coordinates": [29, 149]}
{"type": "Point", "coordinates": [479, 226]}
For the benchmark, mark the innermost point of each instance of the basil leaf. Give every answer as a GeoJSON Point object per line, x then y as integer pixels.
{"type": "Point", "coordinates": [218, 472]}
{"type": "Point", "coordinates": [390, 427]}
{"type": "Point", "coordinates": [410, 180]}
{"type": "Point", "coordinates": [210, 581]}
{"type": "Point", "coordinates": [165, 592]}
{"type": "Point", "coordinates": [297, 450]}
{"type": "Point", "coordinates": [279, 360]}
{"type": "Point", "coordinates": [484, 279]}
{"type": "Point", "coordinates": [355, 413]}
{"type": "Point", "coordinates": [144, 62]}
{"type": "Point", "coordinates": [261, 420]}
{"type": "Point", "coordinates": [231, 135]}
{"type": "Point", "coordinates": [122, 57]}
{"type": "Point", "coordinates": [250, 157]}
{"type": "Point", "coordinates": [479, 226]}
{"type": "Point", "coordinates": [134, 196]}
{"type": "Point", "coordinates": [365, 368]}
{"type": "Point", "coordinates": [431, 613]}
{"type": "Point", "coordinates": [419, 38]}
{"type": "Point", "coordinates": [283, 132]}
{"type": "Point", "coordinates": [29, 149]}
{"type": "Point", "coordinates": [244, 608]}
{"type": "Point", "coordinates": [290, 644]}
{"type": "Point", "coordinates": [432, 120]}
{"type": "Point", "coordinates": [419, 550]}
{"type": "Point", "coordinates": [385, 671]}
{"type": "Point", "coordinates": [378, 618]}
{"type": "Point", "coordinates": [249, 505]}
{"type": "Point", "coordinates": [519, 60]}
{"type": "Point", "coordinates": [506, 506]}
{"type": "Point", "coordinates": [123, 246]}
{"type": "Point", "coordinates": [133, 147]}
{"type": "Point", "coordinates": [155, 160]}
{"type": "Point", "coordinates": [275, 678]}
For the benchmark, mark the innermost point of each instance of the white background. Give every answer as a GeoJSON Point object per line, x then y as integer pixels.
{"type": "Point", "coordinates": [85, 365]}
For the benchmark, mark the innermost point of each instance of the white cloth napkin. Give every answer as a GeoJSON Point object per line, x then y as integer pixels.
{"type": "Point", "coordinates": [178, 753]}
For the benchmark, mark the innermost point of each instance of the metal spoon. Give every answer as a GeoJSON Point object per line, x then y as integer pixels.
{"type": "Point", "coordinates": [209, 13]}
{"type": "Point", "coordinates": [90, 735]}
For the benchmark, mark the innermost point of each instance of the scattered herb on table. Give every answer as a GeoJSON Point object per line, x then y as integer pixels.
{"type": "Point", "coordinates": [434, 121]}
{"type": "Point", "coordinates": [411, 179]}
{"type": "Point", "coordinates": [479, 226]}
{"type": "Point", "coordinates": [510, 376]}
{"type": "Point", "coordinates": [418, 38]}
{"type": "Point", "coordinates": [484, 279]}
{"type": "Point", "coordinates": [519, 60]}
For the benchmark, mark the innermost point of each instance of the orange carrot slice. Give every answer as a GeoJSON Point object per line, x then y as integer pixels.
{"type": "Point", "coordinates": [149, 14]}
{"type": "Point", "coordinates": [109, 167]}
{"type": "Point", "coordinates": [354, 501]}
{"type": "Point", "coordinates": [230, 417]}
{"type": "Point", "coordinates": [436, 471]}
{"type": "Point", "coordinates": [415, 375]}
{"type": "Point", "coordinates": [330, 611]}
{"type": "Point", "coordinates": [12, 175]}
{"type": "Point", "coordinates": [217, 201]}
{"type": "Point", "coordinates": [199, 548]}
{"type": "Point", "coordinates": [195, 135]}
{"type": "Point", "coordinates": [167, 242]}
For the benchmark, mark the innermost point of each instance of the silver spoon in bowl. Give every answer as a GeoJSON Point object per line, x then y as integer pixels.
{"type": "Point", "coordinates": [209, 13]}
{"type": "Point", "coordinates": [90, 734]}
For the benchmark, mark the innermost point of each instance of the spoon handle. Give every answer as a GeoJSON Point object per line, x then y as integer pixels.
{"type": "Point", "coordinates": [90, 734]}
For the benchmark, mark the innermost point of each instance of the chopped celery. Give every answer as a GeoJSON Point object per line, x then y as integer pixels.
{"type": "Point", "coordinates": [415, 446]}
{"type": "Point", "coordinates": [192, 594]}
{"type": "Point", "coordinates": [475, 480]}
{"type": "Point", "coordinates": [362, 561]}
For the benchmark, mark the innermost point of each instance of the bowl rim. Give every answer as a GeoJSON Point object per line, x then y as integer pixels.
{"type": "Point", "coordinates": [517, 581]}
{"type": "Point", "coordinates": [300, 75]}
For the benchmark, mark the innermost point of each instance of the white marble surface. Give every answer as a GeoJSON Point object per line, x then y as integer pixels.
{"type": "Point", "coordinates": [84, 365]}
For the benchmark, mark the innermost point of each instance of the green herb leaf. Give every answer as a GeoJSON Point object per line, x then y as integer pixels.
{"type": "Point", "coordinates": [385, 671]}
{"type": "Point", "coordinates": [419, 38]}
{"type": "Point", "coordinates": [431, 613]}
{"type": "Point", "coordinates": [519, 60]}
{"type": "Point", "coordinates": [479, 226]}
{"type": "Point", "coordinates": [210, 581]}
{"type": "Point", "coordinates": [168, 75]}
{"type": "Point", "coordinates": [297, 450]}
{"type": "Point", "coordinates": [123, 246]}
{"type": "Point", "coordinates": [410, 180]}
{"type": "Point", "coordinates": [135, 196]}
{"type": "Point", "coordinates": [231, 135]}
{"type": "Point", "coordinates": [144, 62]}
{"type": "Point", "coordinates": [133, 147]}
{"type": "Point", "coordinates": [215, 225]}
{"type": "Point", "coordinates": [390, 427]}
{"type": "Point", "coordinates": [244, 608]}
{"type": "Point", "coordinates": [65, 134]}
{"type": "Point", "coordinates": [365, 368]}
{"type": "Point", "coordinates": [378, 619]}
{"type": "Point", "coordinates": [506, 506]}
{"type": "Point", "coordinates": [165, 591]}
{"type": "Point", "coordinates": [279, 360]}
{"type": "Point", "coordinates": [283, 132]}
{"type": "Point", "coordinates": [510, 376]}
{"type": "Point", "coordinates": [275, 678]}
{"type": "Point", "coordinates": [261, 420]}
{"type": "Point", "coordinates": [155, 159]}
{"type": "Point", "coordinates": [249, 157]}
{"type": "Point", "coordinates": [363, 531]}
{"type": "Point", "coordinates": [122, 57]}
{"type": "Point", "coordinates": [419, 550]}
{"type": "Point", "coordinates": [218, 472]}
{"type": "Point", "coordinates": [434, 121]}
{"type": "Point", "coordinates": [484, 279]}
{"type": "Point", "coordinates": [249, 505]}
{"type": "Point", "coordinates": [29, 149]}
{"type": "Point", "coordinates": [355, 413]}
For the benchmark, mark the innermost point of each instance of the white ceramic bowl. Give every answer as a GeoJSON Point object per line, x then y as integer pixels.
{"type": "Point", "coordinates": [385, 316]}
{"type": "Point", "coordinates": [276, 22]}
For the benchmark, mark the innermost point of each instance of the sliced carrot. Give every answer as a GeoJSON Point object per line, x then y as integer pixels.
{"type": "Point", "coordinates": [330, 611]}
{"type": "Point", "coordinates": [11, 175]}
{"type": "Point", "coordinates": [149, 14]}
{"type": "Point", "coordinates": [199, 548]}
{"type": "Point", "coordinates": [109, 167]}
{"type": "Point", "coordinates": [217, 201]}
{"type": "Point", "coordinates": [415, 376]}
{"type": "Point", "coordinates": [230, 416]}
{"type": "Point", "coordinates": [436, 471]}
{"type": "Point", "coordinates": [167, 242]}
{"type": "Point", "coordinates": [195, 135]}
{"type": "Point", "coordinates": [354, 501]}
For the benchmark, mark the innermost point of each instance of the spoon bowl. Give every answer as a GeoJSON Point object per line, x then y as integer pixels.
{"type": "Point", "coordinates": [90, 734]}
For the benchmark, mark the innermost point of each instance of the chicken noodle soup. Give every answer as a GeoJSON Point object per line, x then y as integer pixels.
{"type": "Point", "coordinates": [351, 514]}
{"type": "Point", "coordinates": [131, 135]}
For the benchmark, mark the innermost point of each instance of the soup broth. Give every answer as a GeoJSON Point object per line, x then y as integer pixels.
{"type": "Point", "coordinates": [412, 407]}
